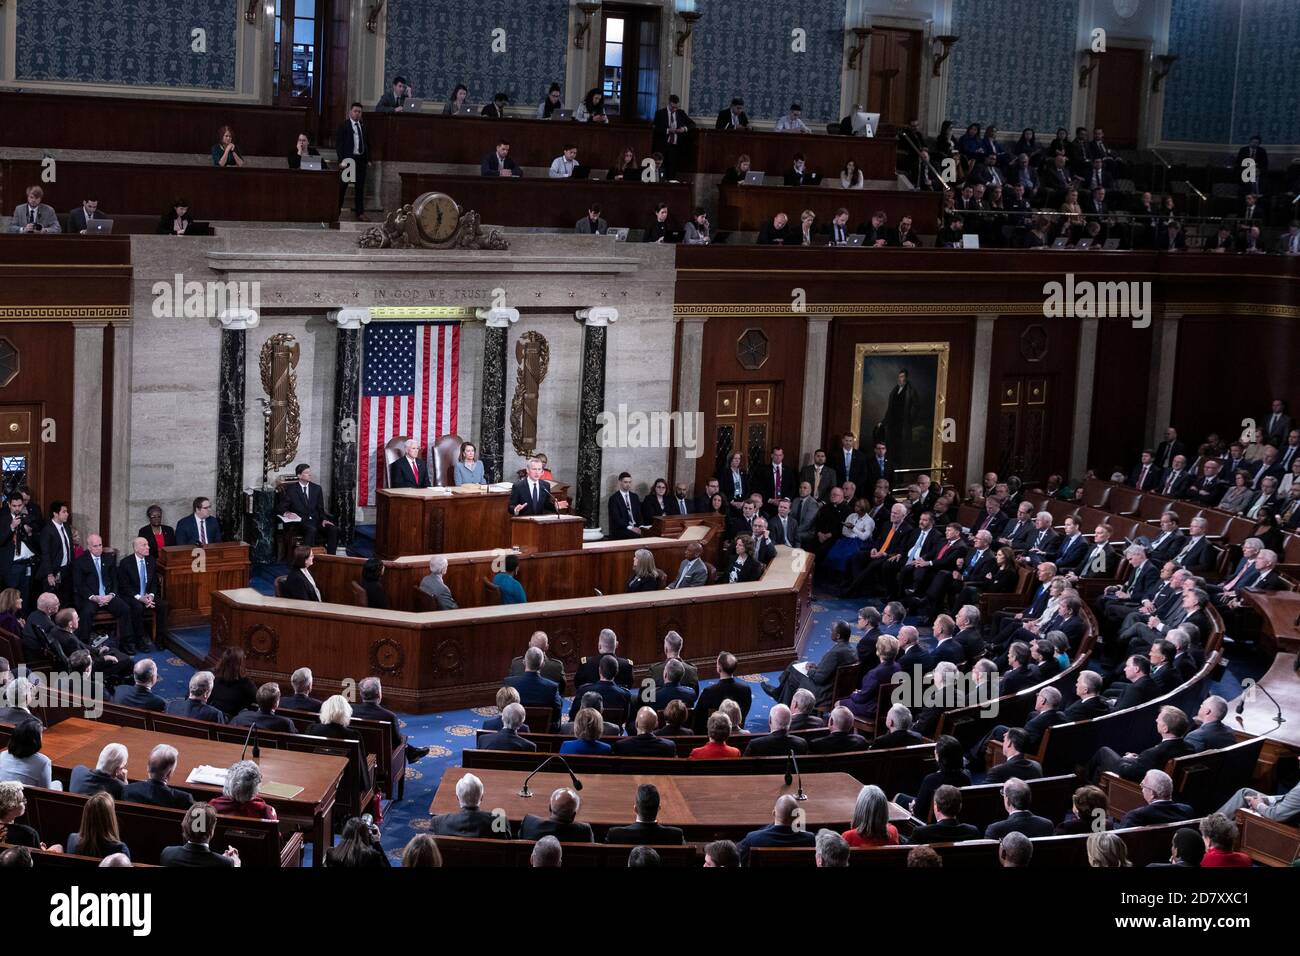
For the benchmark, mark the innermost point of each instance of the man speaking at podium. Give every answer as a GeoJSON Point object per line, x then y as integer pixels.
{"type": "Point", "coordinates": [409, 471]}
{"type": "Point", "coordinates": [532, 495]}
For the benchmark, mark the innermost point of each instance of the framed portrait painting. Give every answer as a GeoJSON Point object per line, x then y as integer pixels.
{"type": "Point", "coordinates": [900, 397]}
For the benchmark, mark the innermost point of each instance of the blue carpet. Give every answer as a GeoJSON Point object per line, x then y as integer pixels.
{"type": "Point", "coordinates": [447, 733]}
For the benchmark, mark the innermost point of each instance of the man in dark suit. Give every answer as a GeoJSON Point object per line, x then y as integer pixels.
{"type": "Point", "coordinates": [54, 547]}
{"type": "Point", "coordinates": [198, 826]}
{"type": "Point", "coordinates": [946, 827]}
{"type": "Point", "coordinates": [779, 741]}
{"type": "Point", "coordinates": [409, 471]}
{"type": "Point", "coordinates": [469, 820]}
{"type": "Point", "coordinates": [531, 495]}
{"type": "Point", "coordinates": [879, 467]}
{"type": "Point", "coordinates": [1211, 734]}
{"type": "Point", "coordinates": [196, 705]}
{"type": "Point", "coordinates": [1014, 744]}
{"type": "Point", "coordinates": [873, 570]}
{"type": "Point", "coordinates": [741, 522]}
{"type": "Point", "coordinates": [370, 707]}
{"type": "Point", "coordinates": [818, 678]}
{"type": "Point", "coordinates": [498, 164]}
{"type": "Point", "coordinates": [77, 218]}
{"type": "Point", "coordinates": [94, 586]}
{"type": "Point", "coordinates": [507, 738]}
{"type": "Point", "coordinates": [306, 499]}
{"type": "Point", "coordinates": [199, 527]}
{"type": "Point", "coordinates": [137, 584]}
{"type": "Point", "coordinates": [725, 688]}
{"type": "Point", "coordinates": [1145, 476]}
{"type": "Point", "coordinates": [155, 791]}
{"type": "Point", "coordinates": [850, 463]}
{"type": "Point", "coordinates": [109, 775]}
{"type": "Point", "coordinates": [916, 566]}
{"type": "Point", "coordinates": [140, 693]}
{"type": "Point", "coordinates": [561, 824]}
{"type": "Point", "coordinates": [352, 142]}
{"type": "Point", "coordinates": [777, 232]}
{"type": "Point", "coordinates": [1090, 703]}
{"type": "Point", "coordinates": [589, 667]}
{"type": "Point", "coordinates": [301, 699]}
{"type": "Point", "coordinates": [1016, 798]}
{"type": "Point", "coordinates": [18, 556]}
{"type": "Point", "coordinates": [646, 831]}
{"type": "Point", "coordinates": [782, 832]}
{"type": "Point", "coordinates": [1171, 725]}
{"type": "Point", "coordinates": [263, 716]}
{"type": "Point", "coordinates": [673, 688]}
{"type": "Point", "coordinates": [774, 481]}
{"type": "Point", "coordinates": [672, 130]}
{"type": "Point", "coordinates": [841, 739]}
{"type": "Point", "coordinates": [625, 517]}
{"type": "Point", "coordinates": [898, 730]}
{"type": "Point", "coordinates": [534, 689]}
{"type": "Point", "coordinates": [1157, 791]}
{"type": "Point", "coordinates": [644, 743]}
{"type": "Point", "coordinates": [615, 697]}
{"type": "Point", "coordinates": [782, 528]}
{"type": "Point", "coordinates": [733, 117]}
{"type": "Point", "coordinates": [1169, 448]}
{"type": "Point", "coordinates": [1072, 548]}
{"type": "Point", "coordinates": [1044, 543]}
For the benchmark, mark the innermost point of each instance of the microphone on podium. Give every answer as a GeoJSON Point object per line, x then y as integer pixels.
{"type": "Point", "coordinates": [577, 784]}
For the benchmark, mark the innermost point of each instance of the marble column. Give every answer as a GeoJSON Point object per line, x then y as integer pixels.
{"type": "Point", "coordinates": [688, 395]}
{"type": "Point", "coordinates": [85, 431]}
{"type": "Point", "coordinates": [347, 395]}
{"type": "Point", "coordinates": [492, 437]}
{"type": "Point", "coordinates": [230, 421]}
{"type": "Point", "coordinates": [1084, 382]}
{"type": "Point", "coordinates": [978, 410]}
{"type": "Point", "coordinates": [121, 528]}
{"type": "Point", "coordinates": [1160, 383]}
{"type": "Point", "coordinates": [814, 385]}
{"type": "Point", "coordinates": [591, 402]}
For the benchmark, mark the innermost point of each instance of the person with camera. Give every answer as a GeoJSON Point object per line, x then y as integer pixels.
{"type": "Point", "coordinates": [34, 215]}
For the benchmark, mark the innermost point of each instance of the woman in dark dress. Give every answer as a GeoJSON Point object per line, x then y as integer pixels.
{"type": "Point", "coordinates": [299, 584]}
{"type": "Point", "coordinates": [645, 576]}
{"type": "Point", "coordinates": [863, 700]}
{"type": "Point", "coordinates": [736, 174]}
{"type": "Point", "coordinates": [372, 573]}
{"type": "Point", "coordinates": [745, 567]}
{"type": "Point", "coordinates": [655, 503]}
{"type": "Point", "coordinates": [948, 757]}
{"type": "Point", "coordinates": [232, 691]}
{"type": "Point", "coordinates": [1007, 576]}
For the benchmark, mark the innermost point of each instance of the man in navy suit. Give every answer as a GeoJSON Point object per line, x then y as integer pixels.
{"type": "Point", "coordinates": [726, 687]}
{"type": "Point", "coordinates": [561, 824]}
{"type": "Point", "coordinates": [781, 833]}
{"type": "Point", "coordinates": [200, 527]}
{"type": "Point", "coordinates": [196, 705]}
{"type": "Point", "coordinates": [469, 820]}
{"type": "Point", "coordinates": [1146, 475]}
{"type": "Point", "coordinates": [263, 716]}
{"type": "Point", "coordinates": [613, 696]}
{"type": "Point", "coordinates": [849, 463]}
{"type": "Point", "coordinates": [140, 693]}
{"type": "Point", "coordinates": [1073, 548]}
{"type": "Point", "coordinates": [499, 164]}
{"type": "Point", "coordinates": [647, 831]}
{"type": "Point", "coordinates": [624, 510]}
{"type": "Point", "coordinates": [1044, 542]}
{"type": "Point", "coordinates": [94, 587]}
{"type": "Point", "coordinates": [137, 584]}
{"type": "Point", "coordinates": [409, 471]}
{"type": "Point", "coordinates": [306, 499]}
{"type": "Point", "coordinates": [1016, 798]}
{"type": "Point", "coordinates": [1157, 791]}
{"type": "Point", "coordinates": [1211, 734]}
{"type": "Point", "coordinates": [199, 824]}
{"type": "Point", "coordinates": [507, 738]}
{"type": "Point", "coordinates": [531, 495]}
{"type": "Point", "coordinates": [774, 482]}
{"type": "Point", "coordinates": [673, 688]}
{"type": "Point", "coordinates": [534, 689]}
{"type": "Point", "coordinates": [644, 743]}
{"type": "Point", "coordinates": [352, 141]}
{"type": "Point", "coordinates": [155, 791]}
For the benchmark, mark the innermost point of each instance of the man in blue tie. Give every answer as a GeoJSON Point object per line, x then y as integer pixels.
{"type": "Point", "coordinates": [138, 581]}
{"type": "Point", "coordinates": [94, 586]}
{"type": "Point", "coordinates": [838, 228]}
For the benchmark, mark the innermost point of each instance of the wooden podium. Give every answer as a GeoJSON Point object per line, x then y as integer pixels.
{"type": "Point", "coordinates": [188, 591]}
{"type": "Point", "coordinates": [422, 521]}
{"type": "Point", "coordinates": [546, 533]}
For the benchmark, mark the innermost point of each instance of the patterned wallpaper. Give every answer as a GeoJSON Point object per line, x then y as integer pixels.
{"type": "Point", "coordinates": [1268, 83]}
{"type": "Point", "coordinates": [1199, 89]}
{"type": "Point", "coordinates": [436, 44]}
{"type": "Point", "coordinates": [743, 48]}
{"type": "Point", "coordinates": [1014, 63]}
{"type": "Point", "coordinates": [127, 42]}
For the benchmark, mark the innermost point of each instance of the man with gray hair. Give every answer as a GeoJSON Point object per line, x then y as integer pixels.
{"type": "Point", "coordinates": [162, 764]}
{"type": "Point", "coordinates": [1043, 543]}
{"type": "Point", "coordinates": [673, 688]}
{"type": "Point", "coordinates": [196, 705]}
{"type": "Point", "coordinates": [16, 701]}
{"type": "Point", "coordinates": [409, 471]}
{"type": "Point", "coordinates": [301, 698]}
{"type": "Point", "coordinates": [673, 651]}
{"type": "Point", "coordinates": [535, 690]}
{"type": "Point", "coordinates": [108, 776]}
{"type": "Point", "coordinates": [1241, 577]}
{"type": "Point", "coordinates": [969, 632]}
{"type": "Point", "coordinates": [433, 585]}
{"type": "Point", "coordinates": [531, 495]}
{"type": "Point", "coordinates": [589, 667]}
{"type": "Point", "coordinates": [140, 693]}
{"type": "Point", "coordinates": [1198, 555]}
{"type": "Point", "coordinates": [547, 853]}
{"type": "Point", "coordinates": [1211, 734]}
{"type": "Point", "coordinates": [832, 849]}
{"type": "Point", "coordinates": [368, 708]}
{"type": "Point", "coordinates": [1016, 799]}
{"type": "Point", "coordinates": [470, 820]}
{"type": "Point", "coordinates": [842, 737]}
{"type": "Point", "coordinates": [898, 727]}
{"type": "Point", "coordinates": [562, 823]}
{"type": "Point", "coordinates": [801, 707]}
{"type": "Point", "coordinates": [507, 738]}
{"type": "Point", "coordinates": [1157, 791]}
{"type": "Point", "coordinates": [552, 668]}
{"type": "Point", "coordinates": [779, 741]}
{"type": "Point", "coordinates": [1015, 849]}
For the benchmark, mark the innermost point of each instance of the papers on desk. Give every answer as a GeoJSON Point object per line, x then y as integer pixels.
{"type": "Point", "coordinates": [208, 776]}
{"type": "Point", "coordinates": [290, 517]}
{"type": "Point", "coordinates": [500, 486]}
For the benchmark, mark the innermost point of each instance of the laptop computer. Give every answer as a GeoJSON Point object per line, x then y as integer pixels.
{"type": "Point", "coordinates": [466, 110]}
{"type": "Point", "coordinates": [99, 227]}
{"type": "Point", "coordinates": [856, 239]}
{"type": "Point", "coordinates": [310, 162]}
{"type": "Point", "coordinates": [1083, 244]}
{"type": "Point", "coordinates": [1060, 242]}
{"type": "Point", "coordinates": [562, 114]}
{"type": "Point", "coordinates": [970, 240]}
{"type": "Point", "coordinates": [1110, 244]}
{"type": "Point", "coordinates": [412, 106]}
{"type": "Point", "coordinates": [619, 234]}
{"type": "Point", "coordinates": [754, 178]}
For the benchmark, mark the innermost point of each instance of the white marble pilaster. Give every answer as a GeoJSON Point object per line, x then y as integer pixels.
{"type": "Point", "coordinates": [688, 397]}
{"type": "Point", "coordinates": [87, 425]}
{"type": "Point", "coordinates": [1084, 383]}
{"type": "Point", "coordinates": [977, 427]}
{"type": "Point", "coordinates": [123, 524]}
{"type": "Point", "coordinates": [816, 350]}
{"type": "Point", "coordinates": [1160, 389]}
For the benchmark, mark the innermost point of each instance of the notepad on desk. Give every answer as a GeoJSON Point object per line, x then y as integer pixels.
{"type": "Point", "coordinates": [281, 791]}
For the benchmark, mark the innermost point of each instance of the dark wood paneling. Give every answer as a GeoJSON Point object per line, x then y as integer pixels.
{"type": "Point", "coordinates": [557, 203]}
{"type": "Point", "coordinates": [1119, 393]}
{"type": "Point", "coordinates": [45, 378]}
{"type": "Point", "coordinates": [110, 124]}
{"type": "Point", "coordinates": [1119, 81]}
{"type": "Point", "coordinates": [750, 207]}
{"type": "Point", "coordinates": [247, 194]}
{"type": "Point", "coordinates": [772, 153]}
{"type": "Point", "coordinates": [419, 138]}
{"type": "Point", "coordinates": [894, 85]}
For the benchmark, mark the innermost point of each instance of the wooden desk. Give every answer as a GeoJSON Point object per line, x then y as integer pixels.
{"type": "Point", "coordinates": [188, 592]}
{"type": "Point", "coordinates": [673, 526]}
{"type": "Point", "coordinates": [1259, 717]}
{"type": "Point", "coordinates": [773, 153]}
{"type": "Point", "coordinates": [555, 203]}
{"type": "Point", "coordinates": [252, 194]}
{"type": "Point", "coordinates": [76, 740]}
{"type": "Point", "coordinates": [707, 808]}
{"type": "Point", "coordinates": [434, 138]}
{"type": "Point", "coordinates": [448, 659]}
{"type": "Point", "coordinates": [546, 533]}
{"type": "Point", "coordinates": [422, 521]}
{"type": "Point", "coordinates": [1280, 611]}
{"type": "Point", "coordinates": [749, 208]}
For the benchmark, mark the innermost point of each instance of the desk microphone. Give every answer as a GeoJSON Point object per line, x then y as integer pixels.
{"type": "Point", "coordinates": [791, 761]}
{"type": "Point", "coordinates": [252, 735]}
{"type": "Point", "coordinates": [1241, 706]}
{"type": "Point", "coordinates": [577, 784]}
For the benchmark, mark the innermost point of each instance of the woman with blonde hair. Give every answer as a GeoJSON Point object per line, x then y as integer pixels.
{"type": "Point", "coordinates": [586, 734]}
{"type": "Point", "coordinates": [732, 710]}
{"type": "Point", "coordinates": [1107, 849]}
{"type": "Point", "coordinates": [645, 576]}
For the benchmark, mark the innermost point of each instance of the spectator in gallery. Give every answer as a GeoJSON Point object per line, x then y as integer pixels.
{"type": "Point", "coordinates": [225, 152]}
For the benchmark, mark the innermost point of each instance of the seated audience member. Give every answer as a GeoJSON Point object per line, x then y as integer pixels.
{"type": "Point", "coordinates": [614, 696]}
{"type": "Point", "coordinates": [109, 775]}
{"type": "Point", "coordinates": [725, 687]}
{"type": "Point", "coordinates": [13, 804]}
{"type": "Point", "coordinates": [232, 690]}
{"type": "Point", "coordinates": [589, 667]}
{"type": "Point", "coordinates": [776, 232]}
{"type": "Point", "coordinates": [1186, 849]}
{"type": "Point", "coordinates": [22, 761]}
{"type": "Point", "coordinates": [1220, 835]}
{"type": "Point", "coordinates": [693, 571]}
{"type": "Point", "coordinates": [239, 795]}
{"type": "Point", "coordinates": [562, 166]}
{"type": "Point", "coordinates": [948, 758]}
{"type": "Point", "coordinates": [781, 832]}
{"type": "Point", "coordinates": [497, 108]}
{"type": "Point", "coordinates": [263, 716]}
{"type": "Point", "coordinates": [562, 824]}
{"type": "Point", "coordinates": [94, 576]}
{"type": "Point", "coordinates": [1014, 744]}
{"type": "Point", "coordinates": [177, 221]}
{"type": "Point", "coordinates": [674, 721]}
{"type": "Point", "coordinates": [17, 696]}
{"type": "Point", "coordinates": [871, 826]}
{"type": "Point", "coordinates": [587, 726]}
{"type": "Point", "coordinates": [1211, 734]}
{"type": "Point", "coordinates": [832, 849]}
{"type": "Point", "coordinates": [661, 227]}
{"type": "Point", "coordinates": [842, 737]}
{"type": "Point", "coordinates": [1016, 798]}
{"type": "Point", "coordinates": [394, 101]}
{"type": "Point", "coordinates": [673, 687]}
{"type": "Point", "coordinates": [904, 237]}
{"type": "Point", "coordinates": [470, 820]}
{"type": "Point", "coordinates": [673, 652]}
{"type": "Point", "coordinates": [792, 121]}
{"type": "Point", "coordinates": [35, 216]}
{"type": "Point", "coordinates": [1284, 808]}
{"type": "Point", "coordinates": [499, 163]}
{"type": "Point", "coordinates": [779, 741]}
{"type": "Point", "coordinates": [98, 835]}
{"type": "Point", "coordinates": [697, 230]}
{"type": "Point", "coordinates": [197, 827]}
{"type": "Point", "coordinates": [77, 218]}
{"type": "Point", "coordinates": [357, 847]}
{"type": "Point", "coordinates": [546, 854]}
{"type": "Point", "coordinates": [1157, 791]}
{"type": "Point", "coordinates": [592, 700]}
{"type": "Point", "coordinates": [532, 688]}
{"type": "Point", "coordinates": [592, 224]}
{"type": "Point", "coordinates": [507, 738]}
{"type": "Point", "coordinates": [299, 585]}
{"type": "Point", "coordinates": [644, 743]}
{"type": "Point", "coordinates": [947, 828]}
{"type": "Point", "coordinates": [155, 790]}
{"type": "Point", "coordinates": [421, 851]}
{"type": "Point", "coordinates": [196, 704]}
{"type": "Point", "coordinates": [1087, 812]}
{"type": "Point", "coordinates": [733, 117]}
{"type": "Point", "coordinates": [719, 730]}
{"type": "Point", "coordinates": [625, 168]}
{"type": "Point", "coordinates": [1015, 850]}
{"type": "Point", "coordinates": [225, 153]}
{"type": "Point", "coordinates": [863, 702]}
{"type": "Point", "coordinates": [504, 698]}
{"type": "Point", "coordinates": [721, 853]}
{"type": "Point", "coordinates": [301, 149]}
{"type": "Point", "coordinates": [552, 102]}
{"type": "Point", "coordinates": [372, 574]}
{"type": "Point", "coordinates": [507, 582]}
{"type": "Point", "coordinates": [140, 693]}
{"type": "Point", "coordinates": [1171, 725]}
{"type": "Point", "coordinates": [898, 727]}
{"type": "Point", "coordinates": [732, 710]}
{"type": "Point", "coordinates": [646, 831]}
{"type": "Point", "coordinates": [301, 698]}
{"type": "Point", "coordinates": [592, 108]}
{"type": "Point", "coordinates": [820, 677]}
{"type": "Point", "coordinates": [801, 710]}
{"type": "Point", "coordinates": [433, 585]}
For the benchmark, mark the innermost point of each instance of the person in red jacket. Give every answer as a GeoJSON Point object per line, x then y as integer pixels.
{"type": "Point", "coordinates": [719, 731]}
{"type": "Point", "coordinates": [1219, 834]}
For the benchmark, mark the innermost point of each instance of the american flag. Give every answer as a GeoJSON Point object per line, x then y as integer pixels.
{"type": "Point", "coordinates": [409, 386]}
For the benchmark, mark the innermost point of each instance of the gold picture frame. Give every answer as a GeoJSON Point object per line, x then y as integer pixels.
{"type": "Point", "coordinates": [903, 351]}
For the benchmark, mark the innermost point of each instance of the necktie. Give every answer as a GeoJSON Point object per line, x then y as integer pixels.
{"type": "Point", "coordinates": [1142, 479]}
{"type": "Point", "coordinates": [1191, 543]}
{"type": "Point", "coordinates": [361, 140]}
{"type": "Point", "coordinates": [685, 570]}
{"type": "Point", "coordinates": [973, 561]}
{"type": "Point", "coordinates": [888, 538]}
{"type": "Point", "coordinates": [67, 546]}
{"type": "Point", "coordinates": [943, 550]}
{"type": "Point", "coordinates": [203, 529]}
{"type": "Point", "coordinates": [1038, 542]}
{"type": "Point", "coordinates": [415, 471]}
{"type": "Point", "coordinates": [778, 479]}
{"type": "Point", "coordinates": [99, 573]}
{"type": "Point", "coordinates": [533, 486]}
{"type": "Point", "coordinates": [1240, 574]}
{"type": "Point", "coordinates": [916, 548]}
{"type": "Point", "coordinates": [143, 576]}
{"type": "Point", "coordinates": [627, 503]}
{"type": "Point", "coordinates": [31, 214]}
